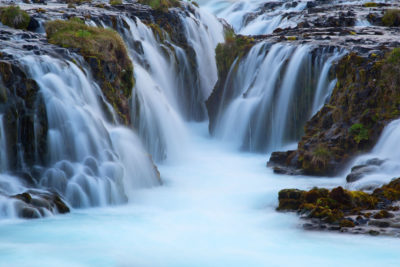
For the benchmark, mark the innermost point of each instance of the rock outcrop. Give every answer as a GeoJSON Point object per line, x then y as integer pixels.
{"type": "Point", "coordinates": [346, 211]}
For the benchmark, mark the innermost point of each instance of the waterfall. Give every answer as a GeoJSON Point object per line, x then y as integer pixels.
{"type": "Point", "coordinates": [267, 107]}
{"type": "Point", "coordinates": [88, 165]}
{"type": "Point", "coordinates": [387, 153]}
{"type": "Point", "coordinates": [168, 90]}
{"type": "Point", "coordinates": [325, 85]}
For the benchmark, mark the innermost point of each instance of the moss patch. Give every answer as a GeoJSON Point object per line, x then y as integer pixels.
{"type": "Point", "coordinates": [14, 17]}
{"type": "Point", "coordinates": [370, 4]}
{"type": "Point", "coordinates": [332, 206]}
{"type": "Point", "coordinates": [105, 52]}
{"type": "Point", "coordinates": [115, 2]}
{"type": "Point", "coordinates": [235, 46]}
{"type": "Point", "coordinates": [162, 5]}
{"type": "Point", "coordinates": [391, 18]}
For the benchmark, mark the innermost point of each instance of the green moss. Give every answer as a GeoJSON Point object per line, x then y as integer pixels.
{"type": "Point", "coordinates": [370, 4]}
{"type": "Point", "coordinates": [291, 38]}
{"type": "Point", "coordinates": [161, 5]}
{"type": "Point", "coordinates": [115, 2]}
{"type": "Point", "coordinates": [105, 52]}
{"type": "Point", "coordinates": [235, 47]}
{"type": "Point", "coordinates": [331, 206]}
{"type": "Point", "coordinates": [14, 17]}
{"type": "Point", "coordinates": [391, 18]}
{"type": "Point", "coordinates": [394, 56]}
{"type": "Point", "coordinates": [359, 132]}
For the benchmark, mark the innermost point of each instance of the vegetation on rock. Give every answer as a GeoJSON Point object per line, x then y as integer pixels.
{"type": "Point", "coordinates": [370, 4]}
{"type": "Point", "coordinates": [391, 17]}
{"type": "Point", "coordinates": [161, 5]}
{"type": "Point", "coordinates": [235, 47]}
{"type": "Point", "coordinates": [115, 2]}
{"type": "Point", "coordinates": [106, 54]}
{"type": "Point", "coordinates": [336, 206]}
{"type": "Point", "coordinates": [14, 17]}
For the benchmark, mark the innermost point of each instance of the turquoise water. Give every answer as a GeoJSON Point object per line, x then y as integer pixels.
{"type": "Point", "coordinates": [216, 208]}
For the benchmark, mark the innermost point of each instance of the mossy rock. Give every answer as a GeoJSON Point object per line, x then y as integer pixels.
{"type": "Point", "coordinates": [391, 18]}
{"type": "Point", "coordinates": [14, 17]}
{"type": "Point", "coordinates": [370, 4]}
{"type": "Point", "coordinates": [332, 206]}
{"type": "Point", "coordinates": [115, 2]}
{"type": "Point", "coordinates": [161, 5]}
{"type": "Point", "coordinates": [106, 54]}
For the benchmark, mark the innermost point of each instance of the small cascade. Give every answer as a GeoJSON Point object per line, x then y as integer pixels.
{"type": "Point", "coordinates": [325, 85]}
{"type": "Point", "coordinates": [87, 164]}
{"type": "Point", "coordinates": [266, 107]}
{"type": "Point", "coordinates": [383, 163]}
{"type": "Point", "coordinates": [3, 147]}
{"type": "Point", "coordinates": [204, 37]}
{"type": "Point", "coordinates": [255, 17]}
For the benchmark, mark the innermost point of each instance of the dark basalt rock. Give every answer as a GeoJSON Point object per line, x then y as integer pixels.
{"type": "Point", "coordinates": [24, 114]}
{"type": "Point", "coordinates": [33, 204]}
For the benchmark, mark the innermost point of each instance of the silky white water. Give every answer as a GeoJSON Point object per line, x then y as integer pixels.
{"type": "Point", "coordinates": [216, 208]}
{"type": "Point", "coordinates": [264, 108]}
{"type": "Point", "coordinates": [386, 149]}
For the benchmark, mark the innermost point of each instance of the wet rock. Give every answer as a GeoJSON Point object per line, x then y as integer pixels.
{"type": "Point", "coordinates": [33, 203]}
{"type": "Point", "coordinates": [359, 171]}
{"type": "Point", "coordinates": [347, 211]}
{"type": "Point", "coordinates": [379, 223]}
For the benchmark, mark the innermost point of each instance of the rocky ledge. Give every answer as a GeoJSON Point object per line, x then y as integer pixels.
{"type": "Point", "coordinates": [357, 212]}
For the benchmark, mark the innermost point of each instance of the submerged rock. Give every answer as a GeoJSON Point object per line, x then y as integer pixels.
{"type": "Point", "coordinates": [359, 171]}
{"type": "Point", "coordinates": [35, 204]}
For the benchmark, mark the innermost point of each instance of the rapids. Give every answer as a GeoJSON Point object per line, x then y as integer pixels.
{"type": "Point", "coordinates": [216, 208]}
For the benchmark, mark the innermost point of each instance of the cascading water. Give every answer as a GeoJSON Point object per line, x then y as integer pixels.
{"type": "Point", "coordinates": [382, 163]}
{"type": "Point", "coordinates": [254, 17]}
{"type": "Point", "coordinates": [89, 161]}
{"type": "Point", "coordinates": [266, 108]}
{"type": "Point", "coordinates": [163, 100]}
{"type": "Point", "coordinates": [3, 147]}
